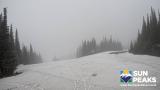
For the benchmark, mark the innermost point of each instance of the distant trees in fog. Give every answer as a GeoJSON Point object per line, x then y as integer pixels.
{"type": "Point", "coordinates": [89, 47]}
{"type": "Point", "coordinates": [26, 55]}
{"type": "Point", "coordinates": [148, 40]}
{"type": "Point", "coordinates": [109, 45]}
{"type": "Point", "coordinates": [29, 56]}
{"type": "Point", "coordinates": [11, 54]}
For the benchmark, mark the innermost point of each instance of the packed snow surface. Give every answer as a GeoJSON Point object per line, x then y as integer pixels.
{"type": "Point", "coordinates": [95, 72]}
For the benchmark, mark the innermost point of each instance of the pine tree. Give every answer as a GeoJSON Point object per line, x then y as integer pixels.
{"type": "Point", "coordinates": [32, 55]}
{"type": "Point", "coordinates": [131, 47]}
{"type": "Point", "coordinates": [89, 47]}
{"type": "Point", "coordinates": [10, 52]}
{"type": "Point", "coordinates": [18, 49]}
{"type": "Point", "coordinates": [7, 55]}
{"type": "Point", "coordinates": [148, 41]}
{"type": "Point", "coordinates": [1, 21]}
{"type": "Point", "coordinates": [1, 45]}
{"type": "Point", "coordinates": [31, 49]}
{"type": "Point", "coordinates": [29, 56]}
{"type": "Point", "coordinates": [159, 28]}
{"type": "Point", "coordinates": [93, 46]}
{"type": "Point", "coordinates": [25, 55]}
{"type": "Point", "coordinates": [12, 37]}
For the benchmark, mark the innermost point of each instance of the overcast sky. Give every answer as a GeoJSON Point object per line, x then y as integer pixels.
{"type": "Point", "coordinates": [57, 27]}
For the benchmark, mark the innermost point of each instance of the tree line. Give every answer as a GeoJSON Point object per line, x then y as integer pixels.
{"type": "Point", "coordinates": [11, 53]}
{"type": "Point", "coordinates": [148, 40]}
{"type": "Point", "coordinates": [89, 47]}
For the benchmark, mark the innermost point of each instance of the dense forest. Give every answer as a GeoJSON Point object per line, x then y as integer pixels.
{"type": "Point", "coordinates": [11, 53]}
{"type": "Point", "coordinates": [89, 47]}
{"type": "Point", "coordinates": [148, 40]}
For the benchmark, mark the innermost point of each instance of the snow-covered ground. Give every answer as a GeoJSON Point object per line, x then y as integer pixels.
{"type": "Point", "coordinates": [94, 72]}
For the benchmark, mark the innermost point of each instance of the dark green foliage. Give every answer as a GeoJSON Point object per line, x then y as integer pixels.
{"type": "Point", "coordinates": [25, 56]}
{"type": "Point", "coordinates": [8, 59]}
{"type": "Point", "coordinates": [109, 45]}
{"type": "Point", "coordinates": [148, 40]}
{"type": "Point", "coordinates": [30, 56]}
{"type": "Point", "coordinates": [11, 54]}
{"type": "Point", "coordinates": [89, 47]}
{"type": "Point", "coordinates": [17, 47]}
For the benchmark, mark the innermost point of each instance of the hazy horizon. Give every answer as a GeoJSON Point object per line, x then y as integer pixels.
{"type": "Point", "coordinates": [57, 27]}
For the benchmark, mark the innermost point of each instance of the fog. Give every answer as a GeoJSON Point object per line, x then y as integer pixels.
{"type": "Point", "coordinates": [57, 27]}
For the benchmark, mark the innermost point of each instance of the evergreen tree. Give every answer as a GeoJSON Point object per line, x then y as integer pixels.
{"type": "Point", "coordinates": [17, 47]}
{"type": "Point", "coordinates": [0, 20]}
{"type": "Point", "coordinates": [25, 55]}
{"type": "Point", "coordinates": [93, 46]}
{"type": "Point", "coordinates": [158, 28]}
{"type": "Point", "coordinates": [32, 55]}
{"type": "Point", "coordinates": [11, 35]}
{"type": "Point", "coordinates": [29, 56]}
{"type": "Point", "coordinates": [10, 52]}
{"type": "Point", "coordinates": [148, 41]}
{"type": "Point", "coordinates": [7, 55]}
{"type": "Point", "coordinates": [31, 49]}
{"type": "Point", "coordinates": [89, 47]}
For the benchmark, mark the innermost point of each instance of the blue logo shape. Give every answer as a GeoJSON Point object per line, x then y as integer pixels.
{"type": "Point", "coordinates": [125, 76]}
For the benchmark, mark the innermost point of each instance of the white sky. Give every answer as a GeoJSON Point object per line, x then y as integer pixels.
{"type": "Point", "coordinates": [57, 27]}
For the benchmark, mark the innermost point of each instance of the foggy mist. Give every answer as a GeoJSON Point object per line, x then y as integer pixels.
{"type": "Point", "coordinates": [57, 27]}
